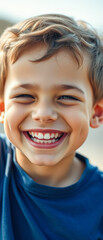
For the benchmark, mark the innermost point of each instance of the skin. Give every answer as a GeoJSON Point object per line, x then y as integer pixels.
{"type": "Point", "coordinates": [46, 108]}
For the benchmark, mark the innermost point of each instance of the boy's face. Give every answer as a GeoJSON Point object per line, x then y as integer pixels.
{"type": "Point", "coordinates": [48, 106]}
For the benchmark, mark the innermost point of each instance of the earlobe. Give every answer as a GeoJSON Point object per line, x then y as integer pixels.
{"type": "Point", "coordinates": [97, 117]}
{"type": "Point", "coordinates": [1, 112]}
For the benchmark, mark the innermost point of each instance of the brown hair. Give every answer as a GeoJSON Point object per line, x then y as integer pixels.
{"type": "Point", "coordinates": [56, 31]}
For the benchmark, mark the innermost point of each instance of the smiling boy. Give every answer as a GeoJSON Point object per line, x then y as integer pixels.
{"type": "Point", "coordinates": [51, 92]}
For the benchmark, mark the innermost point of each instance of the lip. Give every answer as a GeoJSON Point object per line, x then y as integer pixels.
{"type": "Point", "coordinates": [44, 145]}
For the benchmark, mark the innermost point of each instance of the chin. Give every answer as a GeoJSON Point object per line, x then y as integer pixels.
{"type": "Point", "coordinates": [44, 161]}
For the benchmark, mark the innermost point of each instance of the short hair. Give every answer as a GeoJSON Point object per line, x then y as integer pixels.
{"type": "Point", "coordinates": [56, 31]}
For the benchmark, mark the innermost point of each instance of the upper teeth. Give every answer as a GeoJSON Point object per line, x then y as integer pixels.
{"type": "Point", "coordinates": [40, 135]}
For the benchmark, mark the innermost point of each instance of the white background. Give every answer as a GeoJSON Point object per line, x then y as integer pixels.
{"type": "Point", "coordinates": [89, 10]}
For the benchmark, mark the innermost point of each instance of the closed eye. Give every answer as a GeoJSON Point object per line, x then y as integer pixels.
{"type": "Point", "coordinates": [68, 97]}
{"type": "Point", "coordinates": [67, 100]}
{"type": "Point", "coordinates": [24, 98]}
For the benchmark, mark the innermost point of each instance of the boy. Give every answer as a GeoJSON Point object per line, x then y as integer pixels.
{"type": "Point", "coordinates": [51, 86]}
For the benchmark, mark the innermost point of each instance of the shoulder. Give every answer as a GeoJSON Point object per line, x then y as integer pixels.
{"type": "Point", "coordinates": [99, 175]}
{"type": "Point", "coordinates": [6, 156]}
{"type": "Point", "coordinates": [5, 147]}
{"type": "Point", "coordinates": [96, 182]}
{"type": "Point", "coordinates": [92, 176]}
{"type": "Point", "coordinates": [4, 143]}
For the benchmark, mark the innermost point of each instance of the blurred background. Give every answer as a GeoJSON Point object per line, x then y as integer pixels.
{"type": "Point", "coordinates": [89, 10]}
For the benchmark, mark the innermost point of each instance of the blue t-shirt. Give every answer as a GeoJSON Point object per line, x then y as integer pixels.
{"type": "Point", "coordinates": [29, 210]}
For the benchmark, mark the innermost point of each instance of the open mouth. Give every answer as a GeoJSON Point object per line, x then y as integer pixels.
{"type": "Point", "coordinates": [45, 139]}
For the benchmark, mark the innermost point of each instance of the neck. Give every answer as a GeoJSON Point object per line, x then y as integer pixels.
{"type": "Point", "coordinates": [67, 172]}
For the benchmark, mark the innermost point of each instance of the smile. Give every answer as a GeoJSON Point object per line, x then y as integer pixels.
{"type": "Point", "coordinates": [45, 139]}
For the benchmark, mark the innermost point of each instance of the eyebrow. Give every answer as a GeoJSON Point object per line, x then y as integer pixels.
{"type": "Point", "coordinates": [68, 87]}
{"type": "Point", "coordinates": [27, 86]}
{"type": "Point", "coordinates": [59, 87]}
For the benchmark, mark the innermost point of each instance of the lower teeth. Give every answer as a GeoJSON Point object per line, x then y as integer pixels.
{"type": "Point", "coordinates": [44, 141]}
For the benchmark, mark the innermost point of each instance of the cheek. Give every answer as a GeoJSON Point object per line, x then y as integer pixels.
{"type": "Point", "coordinates": [79, 124]}
{"type": "Point", "coordinates": [76, 117]}
{"type": "Point", "coordinates": [14, 115]}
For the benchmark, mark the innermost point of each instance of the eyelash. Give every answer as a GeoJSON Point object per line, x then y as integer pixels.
{"type": "Point", "coordinates": [62, 100]}
{"type": "Point", "coordinates": [24, 95]}
{"type": "Point", "coordinates": [24, 98]}
{"type": "Point", "coordinates": [67, 97]}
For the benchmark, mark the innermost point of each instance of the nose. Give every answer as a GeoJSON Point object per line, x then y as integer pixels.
{"type": "Point", "coordinates": [44, 113]}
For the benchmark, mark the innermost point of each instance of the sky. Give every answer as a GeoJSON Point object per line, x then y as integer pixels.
{"type": "Point", "coordinates": [88, 10]}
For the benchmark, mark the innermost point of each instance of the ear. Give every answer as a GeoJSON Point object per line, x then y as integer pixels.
{"type": "Point", "coordinates": [97, 117]}
{"type": "Point", "coordinates": [1, 112]}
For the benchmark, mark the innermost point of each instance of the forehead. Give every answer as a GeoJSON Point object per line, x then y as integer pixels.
{"type": "Point", "coordinates": [60, 67]}
{"type": "Point", "coordinates": [61, 57]}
